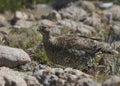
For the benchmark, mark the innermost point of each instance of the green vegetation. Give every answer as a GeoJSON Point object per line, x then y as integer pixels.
{"type": "Point", "coordinates": [19, 4]}
{"type": "Point", "coordinates": [41, 57]}
{"type": "Point", "coordinates": [24, 38]}
{"type": "Point", "coordinates": [28, 38]}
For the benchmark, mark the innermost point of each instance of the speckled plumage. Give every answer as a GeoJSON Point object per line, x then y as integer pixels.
{"type": "Point", "coordinates": [72, 50]}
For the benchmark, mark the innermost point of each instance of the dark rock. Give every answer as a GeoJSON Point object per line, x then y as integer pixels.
{"type": "Point", "coordinates": [61, 3]}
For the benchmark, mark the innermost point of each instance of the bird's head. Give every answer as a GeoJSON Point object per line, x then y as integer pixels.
{"type": "Point", "coordinates": [44, 30]}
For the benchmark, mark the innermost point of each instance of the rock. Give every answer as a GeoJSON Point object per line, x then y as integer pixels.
{"type": "Point", "coordinates": [58, 71]}
{"type": "Point", "coordinates": [2, 81]}
{"type": "Point", "coordinates": [3, 21]}
{"type": "Point", "coordinates": [89, 6]}
{"type": "Point", "coordinates": [94, 20]}
{"type": "Point", "coordinates": [57, 76]}
{"type": "Point", "coordinates": [86, 82]}
{"type": "Point", "coordinates": [39, 69]}
{"type": "Point", "coordinates": [40, 66]}
{"type": "Point", "coordinates": [12, 57]}
{"type": "Point", "coordinates": [112, 81]}
{"type": "Point", "coordinates": [3, 18]}
{"type": "Point", "coordinates": [60, 82]}
{"type": "Point", "coordinates": [68, 23]}
{"type": "Point", "coordinates": [29, 66]}
{"type": "Point", "coordinates": [74, 12]}
{"type": "Point", "coordinates": [50, 80]}
{"type": "Point", "coordinates": [104, 5]}
{"type": "Point", "coordinates": [31, 81]}
{"type": "Point", "coordinates": [107, 18]}
{"type": "Point", "coordinates": [61, 3]}
{"type": "Point", "coordinates": [47, 23]}
{"type": "Point", "coordinates": [76, 27]}
{"type": "Point", "coordinates": [114, 11]}
{"type": "Point", "coordinates": [45, 76]}
{"type": "Point", "coordinates": [65, 15]}
{"type": "Point", "coordinates": [2, 24]}
{"type": "Point", "coordinates": [14, 81]}
{"type": "Point", "coordinates": [11, 78]}
{"type": "Point", "coordinates": [41, 10]}
{"type": "Point", "coordinates": [23, 24]}
{"type": "Point", "coordinates": [114, 33]}
{"type": "Point", "coordinates": [53, 15]}
{"type": "Point", "coordinates": [76, 72]}
{"type": "Point", "coordinates": [21, 15]}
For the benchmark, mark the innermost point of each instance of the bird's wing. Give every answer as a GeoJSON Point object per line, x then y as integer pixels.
{"type": "Point", "coordinates": [75, 42]}
{"type": "Point", "coordinates": [78, 43]}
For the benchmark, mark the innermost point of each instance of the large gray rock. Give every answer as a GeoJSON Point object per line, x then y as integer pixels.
{"type": "Point", "coordinates": [21, 15]}
{"type": "Point", "coordinates": [31, 81]}
{"type": "Point", "coordinates": [76, 27]}
{"type": "Point", "coordinates": [9, 77]}
{"type": "Point", "coordinates": [2, 81]}
{"type": "Point", "coordinates": [12, 80]}
{"type": "Point", "coordinates": [89, 6]}
{"type": "Point", "coordinates": [115, 11]}
{"type": "Point", "coordinates": [24, 24]}
{"type": "Point", "coordinates": [12, 57]}
{"type": "Point", "coordinates": [112, 81]}
{"type": "Point", "coordinates": [74, 12]}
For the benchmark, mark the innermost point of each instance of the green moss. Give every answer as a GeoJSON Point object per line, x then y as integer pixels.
{"type": "Point", "coordinates": [41, 57]}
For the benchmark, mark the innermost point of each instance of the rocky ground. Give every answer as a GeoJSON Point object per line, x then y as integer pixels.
{"type": "Point", "coordinates": [22, 53]}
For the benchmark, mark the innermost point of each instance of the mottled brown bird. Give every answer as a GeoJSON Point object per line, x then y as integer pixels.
{"type": "Point", "coordinates": [72, 50]}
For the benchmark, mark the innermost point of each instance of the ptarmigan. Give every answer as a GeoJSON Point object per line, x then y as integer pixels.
{"type": "Point", "coordinates": [72, 50]}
